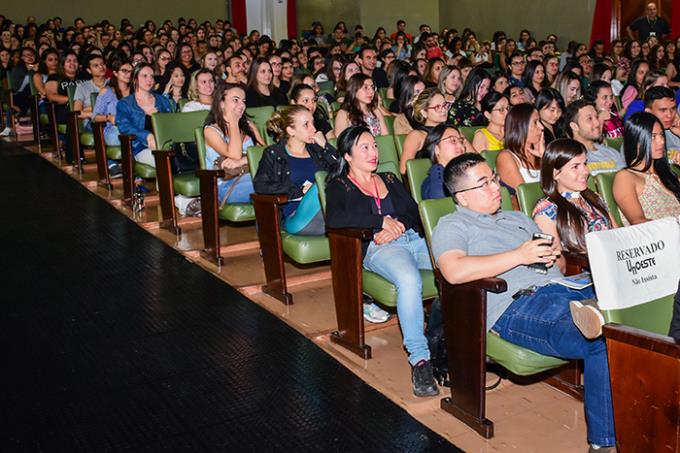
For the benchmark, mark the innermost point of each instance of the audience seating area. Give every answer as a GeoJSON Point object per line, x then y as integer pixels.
{"type": "Point", "coordinates": [644, 361]}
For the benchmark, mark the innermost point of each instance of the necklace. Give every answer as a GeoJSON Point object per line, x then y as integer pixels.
{"type": "Point", "coordinates": [376, 197]}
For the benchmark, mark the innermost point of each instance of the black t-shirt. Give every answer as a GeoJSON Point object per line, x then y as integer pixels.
{"type": "Point", "coordinates": [646, 27]}
{"type": "Point", "coordinates": [256, 99]}
{"type": "Point", "coordinates": [380, 78]}
{"type": "Point", "coordinates": [63, 83]}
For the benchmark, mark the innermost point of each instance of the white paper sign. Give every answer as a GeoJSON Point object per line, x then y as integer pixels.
{"type": "Point", "coordinates": [636, 264]}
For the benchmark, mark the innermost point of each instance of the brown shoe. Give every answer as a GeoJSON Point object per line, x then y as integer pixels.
{"type": "Point", "coordinates": [587, 318]}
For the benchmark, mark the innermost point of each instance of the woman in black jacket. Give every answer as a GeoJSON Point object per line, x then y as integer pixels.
{"type": "Point", "coordinates": [358, 197]}
{"type": "Point", "coordinates": [288, 168]}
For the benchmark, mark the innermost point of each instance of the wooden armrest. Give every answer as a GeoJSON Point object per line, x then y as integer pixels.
{"type": "Point", "coordinates": [576, 259]}
{"type": "Point", "coordinates": [101, 124]}
{"type": "Point", "coordinates": [643, 339]}
{"type": "Point", "coordinates": [161, 152]}
{"type": "Point", "coordinates": [130, 137]}
{"type": "Point", "coordinates": [276, 199]}
{"type": "Point", "coordinates": [363, 234]}
{"type": "Point", "coordinates": [209, 174]}
{"type": "Point", "coordinates": [493, 284]}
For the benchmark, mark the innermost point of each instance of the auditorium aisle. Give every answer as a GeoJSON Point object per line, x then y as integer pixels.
{"type": "Point", "coordinates": [113, 341]}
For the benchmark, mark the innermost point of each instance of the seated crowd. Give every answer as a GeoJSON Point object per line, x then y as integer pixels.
{"type": "Point", "coordinates": [551, 117]}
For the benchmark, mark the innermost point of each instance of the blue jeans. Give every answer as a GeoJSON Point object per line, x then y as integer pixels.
{"type": "Point", "coordinates": [398, 262]}
{"type": "Point", "coordinates": [242, 189]}
{"type": "Point", "coordinates": [542, 322]}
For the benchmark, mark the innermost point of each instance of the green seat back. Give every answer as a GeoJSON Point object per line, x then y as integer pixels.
{"type": "Point", "coordinates": [416, 171]}
{"type": "Point", "coordinates": [605, 183]}
{"type": "Point", "coordinates": [336, 105]}
{"type": "Point", "coordinates": [389, 120]}
{"type": "Point", "coordinates": [399, 143]}
{"type": "Point", "coordinates": [31, 84]}
{"type": "Point", "coordinates": [388, 151]}
{"type": "Point", "coordinates": [172, 128]}
{"type": "Point", "coordinates": [614, 142]}
{"type": "Point", "coordinates": [199, 138]}
{"type": "Point", "coordinates": [182, 102]}
{"type": "Point", "coordinates": [654, 316]}
{"type": "Point", "coordinates": [328, 85]}
{"type": "Point", "coordinates": [383, 96]}
{"type": "Point", "coordinates": [528, 195]}
{"type": "Point", "coordinates": [469, 132]}
{"type": "Point", "coordinates": [506, 199]}
{"type": "Point", "coordinates": [71, 93]}
{"type": "Point", "coordinates": [676, 170]}
{"type": "Point", "coordinates": [518, 360]}
{"type": "Point", "coordinates": [254, 155]}
{"type": "Point", "coordinates": [259, 116]}
{"type": "Point", "coordinates": [490, 157]}
{"type": "Point", "coordinates": [93, 99]}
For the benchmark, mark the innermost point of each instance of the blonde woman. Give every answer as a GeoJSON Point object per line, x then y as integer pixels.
{"type": "Point", "coordinates": [201, 89]}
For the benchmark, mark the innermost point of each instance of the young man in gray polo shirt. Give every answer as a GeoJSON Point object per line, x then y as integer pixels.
{"type": "Point", "coordinates": [584, 126]}
{"type": "Point", "coordinates": [96, 67]}
{"type": "Point", "coordinates": [479, 241]}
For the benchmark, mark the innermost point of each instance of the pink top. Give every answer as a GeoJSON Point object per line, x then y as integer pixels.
{"type": "Point", "coordinates": [629, 95]}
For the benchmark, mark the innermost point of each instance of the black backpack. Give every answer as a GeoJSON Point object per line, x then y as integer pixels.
{"type": "Point", "coordinates": [434, 333]}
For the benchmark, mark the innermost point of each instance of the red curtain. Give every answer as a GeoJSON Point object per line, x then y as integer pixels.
{"type": "Point", "coordinates": [292, 18]}
{"type": "Point", "coordinates": [675, 20]}
{"type": "Point", "coordinates": [602, 22]}
{"type": "Point", "coordinates": [238, 16]}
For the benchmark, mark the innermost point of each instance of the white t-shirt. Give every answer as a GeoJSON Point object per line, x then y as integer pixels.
{"type": "Point", "coordinates": [195, 106]}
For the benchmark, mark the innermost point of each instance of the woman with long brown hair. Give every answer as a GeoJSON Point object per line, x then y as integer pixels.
{"type": "Point", "coordinates": [520, 162]}
{"type": "Point", "coordinates": [570, 209]}
{"type": "Point", "coordinates": [360, 107]}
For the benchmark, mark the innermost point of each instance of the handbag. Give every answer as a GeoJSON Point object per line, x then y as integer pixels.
{"type": "Point", "coordinates": [185, 159]}
{"type": "Point", "coordinates": [230, 173]}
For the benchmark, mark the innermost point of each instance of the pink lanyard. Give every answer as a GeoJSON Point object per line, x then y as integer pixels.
{"type": "Point", "coordinates": [376, 197]}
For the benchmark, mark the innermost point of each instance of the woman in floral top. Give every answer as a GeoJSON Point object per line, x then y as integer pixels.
{"type": "Point", "coordinates": [570, 209]}
{"type": "Point", "coordinates": [467, 110]}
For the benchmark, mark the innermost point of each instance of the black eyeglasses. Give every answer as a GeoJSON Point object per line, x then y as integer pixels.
{"type": "Point", "coordinates": [495, 179]}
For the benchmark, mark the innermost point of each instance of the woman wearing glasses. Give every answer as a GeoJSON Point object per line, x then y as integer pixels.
{"type": "Point", "coordinates": [429, 110]}
{"type": "Point", "coordinates": [442, 144]}
{"type": "Point", "coordinates": [495, 108]}
{"type": "Point", "coordinates": [360, 107]}
{"type": "Point", "coordinates": [105, 107]}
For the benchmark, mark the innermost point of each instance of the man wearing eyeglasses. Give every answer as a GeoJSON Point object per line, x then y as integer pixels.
{"type": "Point", "coordinates": [517, 65]}
{"type": "Point", "coordinates": [479, 240]}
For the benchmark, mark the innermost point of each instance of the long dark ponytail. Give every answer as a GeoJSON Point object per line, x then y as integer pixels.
{"type": "Point", "coordinates": [571, 222]}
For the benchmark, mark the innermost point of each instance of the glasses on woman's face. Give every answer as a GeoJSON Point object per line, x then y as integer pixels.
{"type": "Point", "coordinates": [494, 179]}
{"type": "Point", "coordinates": [439, 108]}
{"type": "Point", "coordinates": [454, 139]}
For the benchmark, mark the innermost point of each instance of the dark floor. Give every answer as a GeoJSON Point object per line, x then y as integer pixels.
{"type": "Point", "coordinates": [112, 341]}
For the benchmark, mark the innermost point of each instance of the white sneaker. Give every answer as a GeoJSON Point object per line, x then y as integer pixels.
{"type": "Point", "coordinates": [375, 314]}
{"type": "Point", "coordinates": [181, 203]}
{"type": "Point", "coordinates": [6, 132]}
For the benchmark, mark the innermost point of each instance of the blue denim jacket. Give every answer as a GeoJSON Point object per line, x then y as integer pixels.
{"type": "Point", "coordinates": [130, 119]}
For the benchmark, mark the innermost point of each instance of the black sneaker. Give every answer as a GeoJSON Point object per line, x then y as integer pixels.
{"type": "Point", "coordinates": [423, 379]}
{"type": "Point", "coordinates": [115, 171]}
